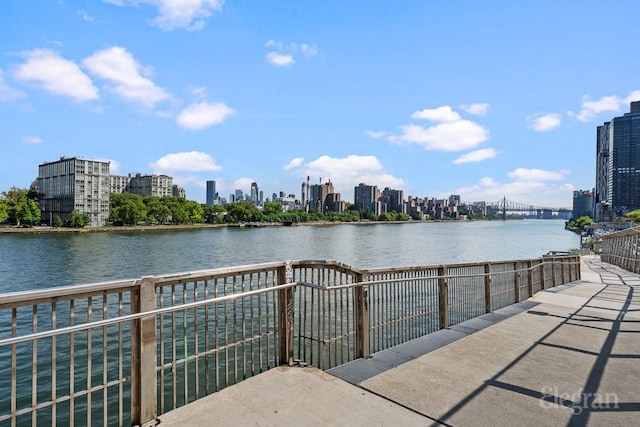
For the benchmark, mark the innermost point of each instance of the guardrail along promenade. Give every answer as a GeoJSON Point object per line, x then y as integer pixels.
{"type": "Point", "coordinates": [126, 352]}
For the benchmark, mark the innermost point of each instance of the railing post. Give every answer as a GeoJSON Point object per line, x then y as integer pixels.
{"type": "Point", "coordinates": [363, 347]}
{"type": "Point", "coordinates": [144, 408]}
{"type": "Point", "coordinates": [530, 280]}
{"type": "Point", "coordinates": [543, 267]}
{"type": "Point", "coordinates": [443, 297]}
{"type": "Point", "coordinates": [487, 288]}
{"type": "Point", "coordinates": [554, 271]}
{"type": "Point", "coordinates": [285, 316]}
{"type": "Point", "coordinates": [516, 282]}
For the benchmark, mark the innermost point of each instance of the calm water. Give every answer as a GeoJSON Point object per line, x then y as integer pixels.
{"type": "Point", "coordinates": [49, 260]}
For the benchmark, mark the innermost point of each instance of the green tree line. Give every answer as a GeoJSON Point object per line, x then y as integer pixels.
{"type": "Point", "coordinates": [21, 207]}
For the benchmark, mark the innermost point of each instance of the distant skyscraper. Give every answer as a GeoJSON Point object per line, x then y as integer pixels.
{"type": "Point", "coordinates": [582, 204]}
{"type": "Point", "coordinates": [618, 159]}
{"type": "Point", "coordinates": [211, 193]}
{"type": "Point", "coordinates": [254, 193]}
{"type": "Point", "coordinates": [238, 197]}
{"type": "Point", "coordinates": [365, 197]}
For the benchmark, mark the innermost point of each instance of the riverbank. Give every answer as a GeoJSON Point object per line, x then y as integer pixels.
{"type": "Point", "coordinates": [138, 228]}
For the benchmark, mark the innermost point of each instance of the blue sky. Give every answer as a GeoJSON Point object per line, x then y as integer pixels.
{"type": "Point", "coordinates": [483, 99]}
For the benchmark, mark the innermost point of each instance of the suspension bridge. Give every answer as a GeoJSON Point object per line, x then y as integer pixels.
{"type": "Point", "coordinates": [504, 205]}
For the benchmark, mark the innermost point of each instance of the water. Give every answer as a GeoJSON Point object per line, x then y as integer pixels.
{"type": "Point", "coordinates": [37, 261]}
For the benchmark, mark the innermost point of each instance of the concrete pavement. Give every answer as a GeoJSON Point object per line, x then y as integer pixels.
{"type": "Point", "coordinates": [566, 356]}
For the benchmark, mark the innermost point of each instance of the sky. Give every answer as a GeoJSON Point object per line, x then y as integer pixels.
{"type": "Point", "coordinates": [485, 100]}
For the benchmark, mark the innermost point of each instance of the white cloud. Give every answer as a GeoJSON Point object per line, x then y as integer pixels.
{"type": "Point", "coordinates": [476, 156]}
{"type": "Point", "coordinates": [283, 55]}
{"type": "Point", "coordinates": [203, 114]}
{"type": "Point", "coordinates": [280, 59]}
{"type": "Point", "coordinates": [346, 172]}
{"type": "Point", "coordinates": [523, 174]}
{"type": "Point", "coordinates": [192, 161]}
{"type": "Point", "coordinates": [612, 103]}
{"type": "Point", "coordinates": [30, 139]}
{"type": "Point", "coordinates": [85, 16]}
{"type": "Point", "coordinates": [448, 136]}
{"type": "Point", "coordinates": [440, 114]}
{"type": "Point", "coordinates": [172, 14]}
{"type": "Point", "coordinates": [121, 69]}
{"type": "Point", "coordinates": [544, 122]}
{"type": "Point", "coordinates": [56, 75]}
{"type": "Point", "coordinates": [375, 134]}
{"type": "Point", "coordinates": [7, 93]}
{"type": "Point", "coordinates": [294, 163]}
{"type": "Point", "coordinates": [479, 109]}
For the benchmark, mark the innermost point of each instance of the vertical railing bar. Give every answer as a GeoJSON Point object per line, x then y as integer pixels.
{"type": "Point", "coordinates": [89, 360]}
{"type": "Point", "coordinates": [185, 350]}
{"type": "Point", "coordinates": [54, 351]}
{"type": "Point", "coordinates": [196, 347]}
{"type": "Point", "coordinates": [244, 331]}
{"type": "Point", "coordinates": [161, 298]}
{"type": "Point", "coordinates": [72, 358]}
{"type": "Point", "coordinates": [235, 332]}
{"type": "Point", "coordinates": [226, 336]}
{"type": "Point", "coordinates": [120, 361]}
{"type": "Point", "coordinates": [215, 333]}
{"type": "Point", "coordinates": [105, 400]}
{"type": "Point", "coordinates": [14, 366]}
{"type": "Point", "coordinates": [34, 367]}
{"type": "Point", "coordinates": [207, 388]}
{"type": "Point", "coordinates": [174, 366]}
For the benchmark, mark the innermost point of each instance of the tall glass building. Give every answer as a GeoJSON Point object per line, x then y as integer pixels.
{"type": "Point", "coordinates": [618, 165]}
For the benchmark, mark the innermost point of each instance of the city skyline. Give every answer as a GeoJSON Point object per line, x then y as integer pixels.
{"type": "Point", "coordinates": [482, 100]}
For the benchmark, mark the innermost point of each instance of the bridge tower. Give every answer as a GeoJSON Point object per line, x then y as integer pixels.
{"type": "Point", "coordinates": [504, 208]}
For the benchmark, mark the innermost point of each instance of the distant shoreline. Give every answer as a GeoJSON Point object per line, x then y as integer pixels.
{"type": "Point", "coordinates": [106, 229]}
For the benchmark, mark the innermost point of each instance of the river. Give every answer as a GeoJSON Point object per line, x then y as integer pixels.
{"type": "Point", "coordinates": [38, 261]}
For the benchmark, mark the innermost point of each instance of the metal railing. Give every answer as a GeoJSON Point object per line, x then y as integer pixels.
{"type": "Point", "coordinates": [121, 353]}
{"type": "Point", "coordinates": [622, 248]}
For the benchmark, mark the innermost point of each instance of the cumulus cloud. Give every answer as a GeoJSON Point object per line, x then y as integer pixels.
{"type": "Point", "coordinates": [30, 139]}
{"type": "Point", "coordinates": [125, 75]}
{"type": "Point", "coordinates": [294, 163]}
{"type": "Point", "coordinates": [448, 136]}
{"type": "Point", "coordinates": [282, 54]}
{"type": "Point", "coordinates": [612, 103]}
{"type": "Point", "coordinates": [440, 114]}
{"type": "Point", "coordinates": [192, 161]}
{"type": "Point", "coordinates": [346, 172]}
{"type": "Point", "coordinates": [544, 122]}
{"type": "Point", "coordinates": [280, 59]}
{"type": "Point", "coordinates": [85, 16]}
{"type": "Point", "coordinates": [172, 14]}
{"type": "Point", "coordinates": [6, 92]}
{"type": "Point", "coordinates": [522, 174]}
{"type": "Point", "coordinates": [203, 114]}
{"type": "Point", "coordinates": [375, 134]}
{"type": "Point", "coordinates": [479, 109]}
{"type": "Point", "coordinates": [476, 156]}
{"type": "Point", "coordinates": [450, 133]}
{"type": "Point", "coordinates": [56, 75]}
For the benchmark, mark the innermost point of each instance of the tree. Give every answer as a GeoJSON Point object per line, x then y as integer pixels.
{"type": "Point", "coordinates": [214, 214]}
{"type": "Point", "coordinates": [78, 220]}
{"type": "Point", "coordinates": [20, 207]}
{"type": "Point", "coordinates": [634, 215]}
{"type": "Point", "coordinates": [242, 212]}
{"type": "Point", "coordinates": [157, 212]}
{"type": "Point", "coordinates": [3, 210]}
{"type": "Point", "coordinates": [272, 211]}
{"type": "Point", "coordinates": [57, 221]}
{"type": "Point", "coordinates": [126, 209]}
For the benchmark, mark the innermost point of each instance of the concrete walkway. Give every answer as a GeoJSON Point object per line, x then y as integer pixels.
{"type": "Point", "coordinates": [567, 356]}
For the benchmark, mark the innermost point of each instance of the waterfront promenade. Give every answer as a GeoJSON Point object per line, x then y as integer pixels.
{"type": "Point", "coordinates": [567, 356]}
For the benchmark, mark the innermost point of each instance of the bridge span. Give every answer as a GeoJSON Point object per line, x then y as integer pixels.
{"type": "Point", "coordinates": [504, 205]}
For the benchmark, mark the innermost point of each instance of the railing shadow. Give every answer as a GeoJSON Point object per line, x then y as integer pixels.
{"type": "Point", "coordinates": [590, 398]}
